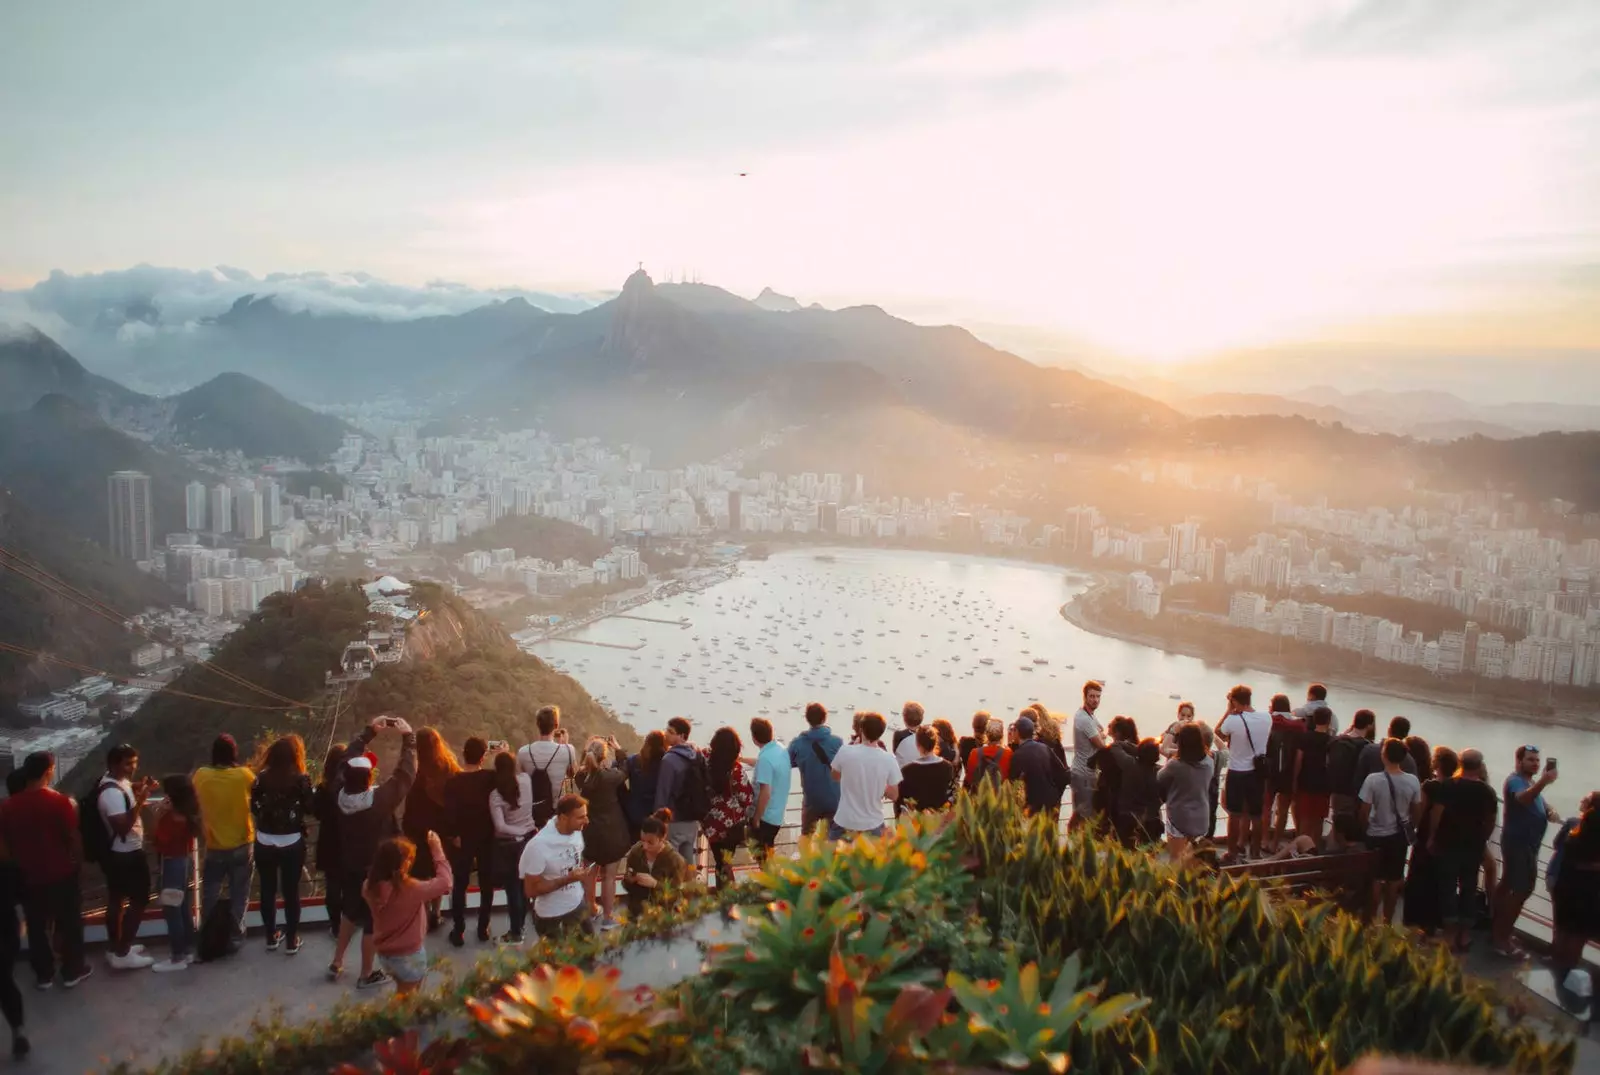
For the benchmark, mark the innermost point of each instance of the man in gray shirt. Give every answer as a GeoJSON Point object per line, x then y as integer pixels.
{"type": "Point", "coordinates": [1317, 696]}
{"type": "Point", "coordinates": [1088, 739]}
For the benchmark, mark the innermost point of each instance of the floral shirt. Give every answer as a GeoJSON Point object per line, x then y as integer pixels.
{"type": "Point", "coordinates": [730, 810]}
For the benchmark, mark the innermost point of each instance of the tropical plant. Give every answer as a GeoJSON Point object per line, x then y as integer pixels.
{"type": "Point", "coordinates": [564, 1020]}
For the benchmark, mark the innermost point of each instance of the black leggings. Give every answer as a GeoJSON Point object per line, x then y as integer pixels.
{"type": "Point", "coordinates": [279, 869]}
{"type": "Point", "coordinates": [722, 853]}
{"type": "Point", "coordinates": [10, 947]}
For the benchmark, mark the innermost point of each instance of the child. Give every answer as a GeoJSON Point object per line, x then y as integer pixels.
{"type": "Point", "coordinates": [177, 822]}
{"type": "Point", "coordinates": [399, 907]}
{"type": "Point", "coordinates": [651, 861]}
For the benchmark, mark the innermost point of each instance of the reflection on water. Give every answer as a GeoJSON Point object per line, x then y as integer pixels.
{"type": "Point", "coordinates": [869, 629]}
{"type": "Point", "coordinates": [663, 962]}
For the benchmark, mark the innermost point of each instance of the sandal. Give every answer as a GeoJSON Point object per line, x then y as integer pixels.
{"type": "Point", "coordinates": [335, 970]}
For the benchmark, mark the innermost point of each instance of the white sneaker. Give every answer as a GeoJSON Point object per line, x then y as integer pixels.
{"type": "Point", "coordinates": [167, 966]}
{"type": "Point", "coordinates": [131, 961]}
{"type": "Point", "coordinates": [607, 924]}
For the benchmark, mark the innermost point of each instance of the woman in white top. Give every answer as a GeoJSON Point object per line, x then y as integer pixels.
{"type": "Point", "coordinates": [511, 807]}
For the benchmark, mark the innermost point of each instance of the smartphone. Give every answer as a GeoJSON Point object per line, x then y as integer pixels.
{"type": "Point", "coordinates": [388, 722]}
{"type": "Point", "coordinates": [498, 745]}
{"type": "Point", "coordinates": [1549, 765]}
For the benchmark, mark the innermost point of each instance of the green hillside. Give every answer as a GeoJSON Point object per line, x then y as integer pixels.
{"type": "Point", "coordinates": [533, 535]}
{"type": "Point", "coordinates": [233, 412]}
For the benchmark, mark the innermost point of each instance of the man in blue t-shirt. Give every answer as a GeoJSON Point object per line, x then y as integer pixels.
{"type": "Point", "coordinates": [812, 752]}
{"type": "Point", "coordinates": [772, 783]}
{"type": "Point", "coordinates": [1522, 831]}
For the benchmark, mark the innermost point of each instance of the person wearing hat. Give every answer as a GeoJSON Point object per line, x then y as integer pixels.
{"type": "Point", "coordinates": [366, 819]}
{"type": "Point", "coordinates": [223, 788]}
{"type": "Point", "coordinates": [1043, 774]}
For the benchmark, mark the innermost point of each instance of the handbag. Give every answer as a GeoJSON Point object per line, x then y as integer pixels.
{"type": "Point", "coordinates": [1406, 828]}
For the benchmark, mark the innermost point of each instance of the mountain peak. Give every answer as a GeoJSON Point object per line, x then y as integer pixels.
{"type": "Point", "coordinates": [637, 281]}
{"type": "Point", "coordinates": [772, 300]}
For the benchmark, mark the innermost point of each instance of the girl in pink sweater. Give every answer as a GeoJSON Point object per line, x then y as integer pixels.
{"type": "Point", "coordinates": [399, 907]}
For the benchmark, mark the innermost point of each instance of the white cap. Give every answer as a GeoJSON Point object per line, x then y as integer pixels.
{"type": "Point", "coordinates": [360, 761]}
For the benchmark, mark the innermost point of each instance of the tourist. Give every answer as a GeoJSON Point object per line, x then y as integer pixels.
{"type": "Point", "coordinates": [511, 814]}
{"type": "Point", "coordinates": [366, 819]}
{"type": "Point", "coordinates": [553, 874]}
{"type": "Point", "coordinates": [946, 735]}
{"type": "Point", "coordinates": [120, 802]}
{"type": "Point", "coordinates": [224, 791]}
{"type": "Point", "coordinates": [684, 788]}
{"type": "Point", "coordinates": [1185, 783]}
{"type": "Point", "coordinates": [1527, 816]}
{"type": "Point", "coordinates": [1575, 890]}
{"type": "Point", "coordinates": [1372, 758]}
{"type": "Point", "coordinates": [1218, 752]}
{"type": "Point", "coordinates": [1309, 774]}
{"type": "Point", "coordinates": [1245, 731]}
{"type": "Point", "coordinates": [867, 774]}
{"type": "Point", "coordinates": [174, 832]}
{"type": "Point", "coordinates": [1317, 695]}
{"type": "Point", "coordinates": [1461, 820]}
{"type": "Point", "coordinates": [605, 840]}
{"type": "Point", "coordinates": [651, 863]}
{"type": "Point", "coordinates": [905, 739]}
{"type": "Point", "coordinates": [1047, 729]}
{"type": "Point", "coordinates": [991, 763]}
{"type": "Point", "coordinates": [812, 752]}
{"type": "Point", "coordinates": [642, 770]}
{"type": "Point", "coordinates": [1344, 763]}
{"type": "Point", "coordinates": [470, 843]}
{"type": "Point", "coordinates": [280, 803]}
{"type": "Point", "coordinates": [400, 903]}
{"type": "Point", "coordinates": [855, 727]}
{"type": "Point", "coordinates": [928, 782]}
{"type": "Point", "coordinates": [773, 774]}
{"type": "Point", "coordinates": [424, 809]}
{"type": "Point", "coordinates": [1044, 776]}
{"type": "Point", "coordinates": [1278, 781]}
{"type": "Point", "coordinates": [1119, 756]}
{"type": "Point", "coordinates": [548, 761]}
{"type": "Point", "coordinates": [11, 887]}
{"type": "Point", "coordinates": [325, 808]}
{"type": "Point", "coordinates": [731, 800]}
{"type": "Point", "coordinates": [1088, 739]}
{"type": "Point", "coordinates": [1391, 803]}
{"type": "Point", "coordinates": [1421, 755]}
{"type": "Point", "coordinates": [1419, 909]}
{"type": "Point", "coordinates": [1169, 738]}
{"type": "Point", "coordinates": [39, 827]}
{"type": "Point", "coordinates": [969, 743]}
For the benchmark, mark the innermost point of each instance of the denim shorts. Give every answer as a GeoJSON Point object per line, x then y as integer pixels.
{"type": "Point", "coordinates": [836, 833]}
{"type": "Point", "coordinates": [409, 968]}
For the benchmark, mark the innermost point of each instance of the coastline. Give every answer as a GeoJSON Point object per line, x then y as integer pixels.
{"type": "Point", "coordinates": [1074, 613]}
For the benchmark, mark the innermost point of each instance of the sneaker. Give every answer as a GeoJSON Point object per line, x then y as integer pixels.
{"type": "Point", "coordinates": [457, 938]}
{"type": "Point", "coordinates": [373, 980]}
{"type": "Point", "coordinates": [44, 985]}
{"type": "Point", "coordinates": [167, 966]}
{"type": "Point", "coordinates": [293, 947]}
{"type": "Point", "coordinates": [335, 970]}
{"type": "Point", "coordinates": [70, 980]}
{"type": "Point", "coordinates": [136, 949]}
{"type": "Point", "coordinates": [607, 924]}
{"type": "Point", "coordinates": [274, 939]}
{"type": "Point", "coordinates": [510, 937]}
{"type": "Point", "coordinates": [131, 961]}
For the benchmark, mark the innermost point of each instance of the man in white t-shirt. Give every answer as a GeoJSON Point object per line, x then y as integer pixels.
{"type": "Point", "coordinates": [1245, 732]}
{"type": "Point", "coordinates": [121, 801]}
{"type": "Point", "coordinates": [549, 754]}
{"type": "Point", "coordinates": [867, 774]}
{"type": "Point", "coordinates": [1088, 739]}
{"type": "Point", "coordinates": [552, 870]}
{"type": "Point", "coordinates": [905, 740]}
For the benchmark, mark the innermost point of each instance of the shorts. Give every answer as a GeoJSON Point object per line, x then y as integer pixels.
{"type": "Point", "coordinates": [1311, 804]}
{"type": "Point", "coordinates": [1175, 831]}
{"type": "Point", "coordinates": [409, 968]}
{"type": "Point", "coordinates": [354, 909]}
{"type": "Point", "coordinates": [1520, 872]}
{"type": "Point", "coordinates": [1343, 805]}
{"type": "Point", "coordinates": [836, 833]}
{"type": "Point", "coordinates": [767, 834]}
{"type": "Point", "coordinates": [1391, 851]}
{"type": "Point", "coordinates": [1083, 782]}
{"type": "Point", "coordinates": [577, 918]}
{"type": "Point", "coordinates": [1242, 792]}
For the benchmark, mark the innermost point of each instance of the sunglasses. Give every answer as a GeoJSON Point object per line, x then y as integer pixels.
{"type": "Point", "coordinates": [1529, 748]}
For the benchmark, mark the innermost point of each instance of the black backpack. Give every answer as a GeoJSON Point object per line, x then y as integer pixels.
{"type": "Point", "coordinates": [215, 939]}
{"type": "Point", "coordinates": [544, 792]}
{"type": "Point", "coordinates": [988, 770]}
{"type": "Point", "coordinates": [694, 794]}
{"type": "Point", "coordinates": [1344, 753]}
{"type": "Point", "coordinates": [92, 827]}
{"type": "Point", "coordinates": [1281, 744]}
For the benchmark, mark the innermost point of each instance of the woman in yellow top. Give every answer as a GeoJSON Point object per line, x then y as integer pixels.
{"type": "Point", "coordinates": [223, 788]}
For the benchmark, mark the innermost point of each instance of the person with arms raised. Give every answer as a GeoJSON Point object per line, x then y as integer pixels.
{"type": "Point", "coordinates": [812, 752]}
{"type": "Point", "coordinates": [553, 874]}
{"type": "Point", "coordinates": [224, 791]}
{"type": "Point", "coordinates": [471, 838]}
{"type": "Point", "coordinates": [1527, 817]}
{"type": "Point", "coordinates": [366, 819]}
{"type": "Point", "coordinates": [867, 775]}
{"type": "Point", "coordinates": [424, 809]}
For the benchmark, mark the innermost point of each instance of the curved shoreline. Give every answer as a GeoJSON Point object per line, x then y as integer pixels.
{"type": "Point", "coordinates": [1073, 613]}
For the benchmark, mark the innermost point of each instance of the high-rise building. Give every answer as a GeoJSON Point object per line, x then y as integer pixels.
{"type": "Point", "coordinates": [128, 495]}
{"type": "Point", "coordinates": [221, 509]}
{"type": "Point", "coordinates": [272, 496]}
{"type": "Point", "coordinates": [194, 507]}
{"type": "Point", "coordinates": [735, 511]}
{"type": "Point", "coordinates": [252, 515]}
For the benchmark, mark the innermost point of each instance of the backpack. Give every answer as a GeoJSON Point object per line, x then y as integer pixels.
{"type": "Point", "coordinates": [1344, 753]}
{"type": "Point", "coordinates": [694, 794]}
{"type": "Point", "coordinates": [1281, 744]}
{"type": "Point", "coordinates": [215, 939]}
{"type": "Point", "coordinates": [92, 827]}
{"type": "Point", "coordinates": [544, 792]}
{"type": "Point", "coordinates": [988, 770]}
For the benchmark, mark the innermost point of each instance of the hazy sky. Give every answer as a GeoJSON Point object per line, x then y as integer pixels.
{"type": "Point", "coordinates": [1164, 179]}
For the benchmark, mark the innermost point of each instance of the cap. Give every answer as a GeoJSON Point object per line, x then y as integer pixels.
{"type": "Point", "coordinates": [360, 761]}
{"type": "Point", "coordinates": [1025, 726]}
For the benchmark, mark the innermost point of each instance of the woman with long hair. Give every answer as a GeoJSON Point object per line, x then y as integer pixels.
{"type": "Point", "coordinates": [652, 862]}
{"type": "Point", "coordinates": [929, 782]}
{"type": "Point", "coordinates": [1575, 890]}
{"type": "Point", "coordinates": [605, 839]}
{"type": "Point", "coordinates": [399, 905]}
{"type": "Point", "coordinates": [424, 810]}
{"type": "Point", "coordinates": [1185, 783]}
{"type": "Point", "coordinates": [946, 736]}
{"type": "Point", "coordinates": [1169, 738]}
{"type": "Point", "coordinates": [731, 799]}
{"type": "Point", "coordinates": [173, 835]}
{"type": "Point", "coordinates": [325, 808]}
{"type": "Point", "coordinates": [281, 801]}
{"type": "Point", "coordinates": [643, 770]}
{"type": "Point", "coordinates": [511, 807]}
{"type": "Point", "coordinates": [1420, 908]}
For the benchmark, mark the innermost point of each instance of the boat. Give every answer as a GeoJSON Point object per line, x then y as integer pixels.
{"type": "Point", "coordinates": [990, 660]}
{"type": "Point", "coordinates": [1176, 697]}
{"type": "Point", "coordinates": [1040, 660]}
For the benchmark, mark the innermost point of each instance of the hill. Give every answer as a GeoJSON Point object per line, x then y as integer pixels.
{"type": "Point", "coordinates": [461, 674]}
{"type": "Point", "coordinates": [234, 412]}
{"type": "Point", "coordinates": [32, 366]}
{"type": "Point", "coordinates": [36, 619]}
{"type": "Point", "coordinates": [532, 535]}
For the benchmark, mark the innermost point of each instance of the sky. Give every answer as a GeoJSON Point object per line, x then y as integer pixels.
{"type": "Point", "coordinates": [1158, 180]}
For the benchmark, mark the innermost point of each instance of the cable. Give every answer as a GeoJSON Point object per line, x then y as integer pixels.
{"type": "Point", "coordinates": [52, 584]}
{"type": "Point", "coordinates": [41, 655]}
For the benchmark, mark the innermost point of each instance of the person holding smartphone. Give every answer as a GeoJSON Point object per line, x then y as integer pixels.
{"type": "Point", "coordinates": [1526, 818]}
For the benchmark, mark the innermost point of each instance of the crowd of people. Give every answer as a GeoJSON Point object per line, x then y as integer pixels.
{"type": "Point", "coordinates": [557, 828]}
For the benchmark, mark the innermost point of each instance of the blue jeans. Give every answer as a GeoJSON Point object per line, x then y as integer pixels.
{"type": "Point", "coordinates": [836, 833]}
{"type": "Point", "coordinates": [234, 866]}
{"type": "Point", "coordinates": [179, 873]}
{"type": "Point", "coordinates": [516, 904]}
